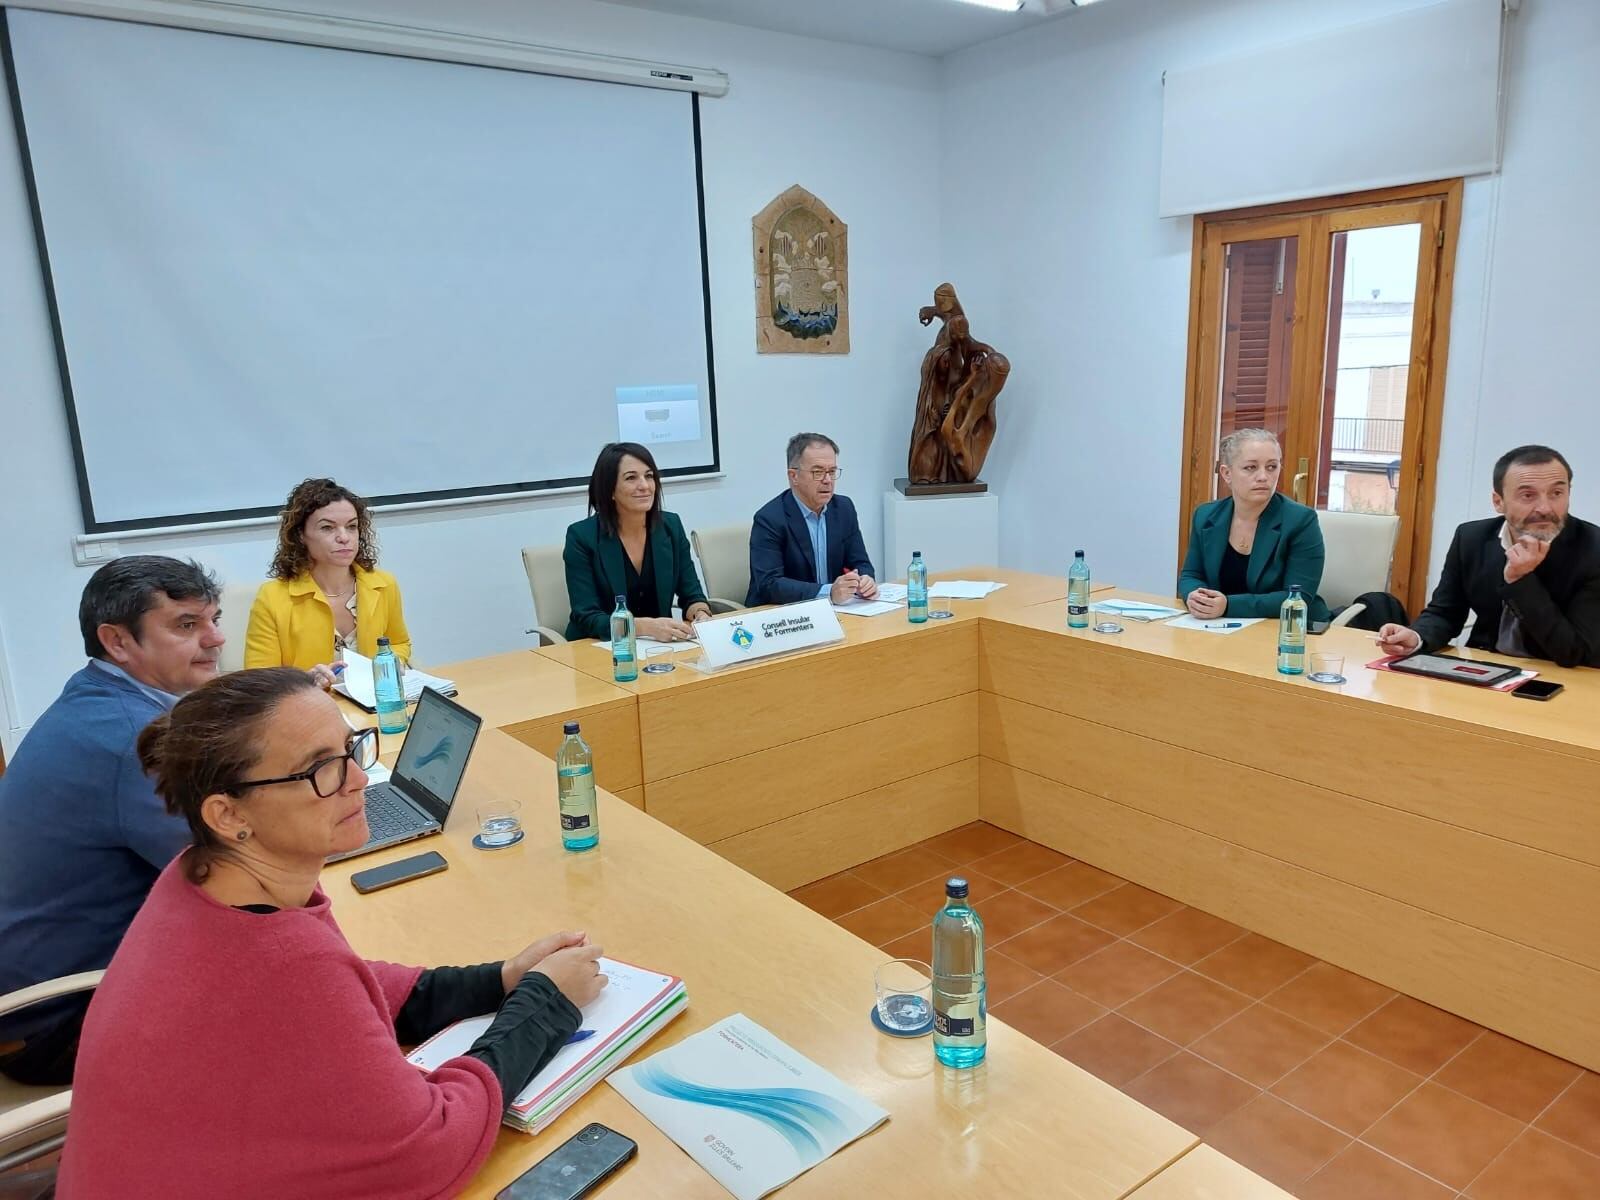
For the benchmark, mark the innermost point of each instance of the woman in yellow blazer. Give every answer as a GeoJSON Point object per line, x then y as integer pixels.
{"type": "Point", "coordinates": [325, 594]}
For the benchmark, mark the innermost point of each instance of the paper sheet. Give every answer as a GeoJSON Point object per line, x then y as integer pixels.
{"type": "Point", "coordinates": [356, 682]}
{"type": "Point", "coordinates": [868, 608]}
{"type": "Point", "coordinates": [1135, 610]}
{"type": "Point", "coordinates": [963, 589]}
{"type": "Point", "coordinates": [1214, 624]}
{"type": "Point", "coordinates": [648, 647]}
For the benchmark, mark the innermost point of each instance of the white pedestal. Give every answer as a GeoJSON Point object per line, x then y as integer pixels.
{"type": "Point", "coordinates": [951, 531]}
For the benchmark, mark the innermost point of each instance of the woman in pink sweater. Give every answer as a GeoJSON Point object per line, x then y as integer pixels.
{"type": "Point", "coordinates": [238, 1046]}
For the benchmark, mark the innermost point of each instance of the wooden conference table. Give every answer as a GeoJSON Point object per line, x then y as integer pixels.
{"type": "Point", "coordinates": [1026, 1123]}
{"type": "Point", "coordinates": [1434, 837]}
{"type": "Point", "coordinates": [1440, 839]}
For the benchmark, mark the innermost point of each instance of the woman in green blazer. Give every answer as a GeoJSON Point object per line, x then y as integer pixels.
{"type": "Point", "coordinates": [628, 546]}
{"type": "Point", "coordinates": [1247, 549]}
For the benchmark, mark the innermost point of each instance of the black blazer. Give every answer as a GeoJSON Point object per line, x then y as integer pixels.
{"type": "Point", "coordinates": [1558, 604]}
{"type": "Point", "coordinates": [783, 570]}
{"type": "Point", "coordinates": [595, 573]}
{"type": "Point", "coordinates": [1287, 549]}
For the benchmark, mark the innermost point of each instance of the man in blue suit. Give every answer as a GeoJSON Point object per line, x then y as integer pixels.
{"type": "Point", "coordinates": [806, 542]}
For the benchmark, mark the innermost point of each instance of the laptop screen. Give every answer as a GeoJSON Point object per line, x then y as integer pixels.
{"type": "Point", "coordinates": [434, 756]}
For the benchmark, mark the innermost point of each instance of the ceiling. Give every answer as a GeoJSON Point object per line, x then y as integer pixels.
{"type": "Point", "coordinates": [932, 27]}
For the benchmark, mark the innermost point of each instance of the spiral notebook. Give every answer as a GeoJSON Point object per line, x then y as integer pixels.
{"type": "Point", "coordinates": [632, 1008]}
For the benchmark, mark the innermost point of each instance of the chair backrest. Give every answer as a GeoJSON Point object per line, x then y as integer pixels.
{"type": "Point", "coordinates": [724, 554]}
{"type": "Point", "coordinates": [547, 581]}
{"type": "Point", "coordinates": [33, 1120]}
{"type": "Point", "coordinates": [1359, 548]}
{"type": "Point", "coordinates": [236, 601]}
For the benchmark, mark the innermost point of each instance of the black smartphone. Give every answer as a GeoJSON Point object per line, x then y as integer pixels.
{"type": "Point", "coordinates": [1537, 689]}
{"type": "Point", "coordinates": [574, 1168]}
{"type": "Point", "coordinates": [390, 874]}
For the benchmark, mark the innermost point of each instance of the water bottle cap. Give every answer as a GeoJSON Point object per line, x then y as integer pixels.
{"type": "Point", "coordinates": [1077, 554]}
{"type": "Point", "coordinates": [916, 554]}
{"type": "Point", "coordinates": [570, 727]}
{"type": "Point", "coordinates": [621, 600]}
{"type": "Point", "coordinates": [956, 888]}
{"type": "Point", "coordinates": [383, 643]}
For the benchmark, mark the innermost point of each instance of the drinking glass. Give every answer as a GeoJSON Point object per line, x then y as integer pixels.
{"type": "Point", "coordinates": [1327, 668]}
{"type": "Point", "coordinates": [498, 822]}
{"type": "Point", "coordinates": [905, 994]}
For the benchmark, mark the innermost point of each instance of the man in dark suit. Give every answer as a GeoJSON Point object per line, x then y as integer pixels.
{"type": "Point", "coordinates": [1532, 574]}
{"type": "Point", "coordinates": [806, 542]}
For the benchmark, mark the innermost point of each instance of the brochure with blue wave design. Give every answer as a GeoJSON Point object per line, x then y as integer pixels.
{"type": "Point", "coordinates": [746, 1107]}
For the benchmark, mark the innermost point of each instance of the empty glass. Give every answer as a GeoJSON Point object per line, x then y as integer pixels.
{"type": "Point", "coordinates": [1327, 668]}
{"type": "Point", "coordinates": [498, 823]}
{"type": "Point", "coordinates": [905, 995]}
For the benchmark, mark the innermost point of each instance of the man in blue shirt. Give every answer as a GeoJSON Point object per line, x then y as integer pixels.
{"type": "Point", "coordinates": [806, 542]}
{"type": "Point", "coordinates": [82, 833]}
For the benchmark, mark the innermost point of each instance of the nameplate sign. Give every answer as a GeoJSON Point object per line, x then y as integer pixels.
{"type": "Point", "coordinates": [753, 636]}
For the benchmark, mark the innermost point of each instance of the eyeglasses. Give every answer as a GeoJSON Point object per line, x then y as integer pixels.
{"type": "Point", "coordinates": [327, 775]}
{"type": "Point", "coordinates": [830, 474]}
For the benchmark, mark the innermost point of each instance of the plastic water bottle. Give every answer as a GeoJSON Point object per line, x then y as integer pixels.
{"type": "Point", "coordinates": [1078, 593]}
{"type": "Point", "coordinates": [388, 689]}
{"type": "Point", "coordinates": [624, 644]}
{"type": "Point", "coordinates": [1292, 633]}
{"type": "Point", "coordinates": [917, 589]}
{"type": "Point", "coordinates": [580, 818]}
{"type": "Point", "coordinates": [960, 1034]}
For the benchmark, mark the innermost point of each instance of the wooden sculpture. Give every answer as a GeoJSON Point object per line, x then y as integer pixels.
{"type": "Point", "coordinates": [961, 377]}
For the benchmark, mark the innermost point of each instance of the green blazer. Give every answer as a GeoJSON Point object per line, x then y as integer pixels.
{"type": "Point", "coordinates": [1287, 549]}
{"type": "Point", "coordinates": [595, 573]}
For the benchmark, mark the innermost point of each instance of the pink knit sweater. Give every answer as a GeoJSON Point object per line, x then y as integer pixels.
{"type": "Point", "coordinates": [242, 1054]}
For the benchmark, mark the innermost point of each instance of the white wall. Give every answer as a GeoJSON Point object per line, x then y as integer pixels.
{"type": "Point", "coordinates": [855, 126]}
{"type": "Point", "coordinates": [1052, 155]}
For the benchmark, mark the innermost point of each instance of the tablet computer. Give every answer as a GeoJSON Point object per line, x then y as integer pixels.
{"type": "Point", "coordinates": [1458, 670]}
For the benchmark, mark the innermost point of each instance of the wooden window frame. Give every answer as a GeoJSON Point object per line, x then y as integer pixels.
{"type": "Point", "coordinates": [1437, 207]}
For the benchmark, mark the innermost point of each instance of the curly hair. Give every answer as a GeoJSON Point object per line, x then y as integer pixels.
{"type": "Point", "coordinates": [291, 559]}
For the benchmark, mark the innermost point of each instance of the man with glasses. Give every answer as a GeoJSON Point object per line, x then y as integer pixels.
{"type": "Point", "coordinates": [82, 833]}
{"type": "Point", "coordinates": [806, 543]}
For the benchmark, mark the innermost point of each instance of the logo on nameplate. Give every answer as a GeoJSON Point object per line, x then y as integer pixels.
{"type": "Point", "coordinates": [743, 638]}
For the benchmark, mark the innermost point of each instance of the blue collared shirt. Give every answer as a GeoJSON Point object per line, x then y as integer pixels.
{"type": "Point", "coordinates": [817, 527]}
{"type": "Point", "coordinates": [165, 699]}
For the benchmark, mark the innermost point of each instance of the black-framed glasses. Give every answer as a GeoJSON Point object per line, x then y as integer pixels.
{"type": "Point", "coordinates": [327, 775]}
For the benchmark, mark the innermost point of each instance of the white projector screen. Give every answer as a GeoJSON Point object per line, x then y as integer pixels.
{"type": "Point", "coordinates": [268, 261]}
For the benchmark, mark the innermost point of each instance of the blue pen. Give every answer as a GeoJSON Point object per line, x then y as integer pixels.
{"type": "Point", "coordinates": [1227, 625]}
{"type": "Point", "coordinates": [583, 1035]}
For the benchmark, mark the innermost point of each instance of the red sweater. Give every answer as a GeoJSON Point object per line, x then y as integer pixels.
{"type": "Point", "coordinates": [243, 1054]}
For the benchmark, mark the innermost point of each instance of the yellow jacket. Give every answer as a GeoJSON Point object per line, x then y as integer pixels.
{"type": "Point", "coordinates": [291, 622]}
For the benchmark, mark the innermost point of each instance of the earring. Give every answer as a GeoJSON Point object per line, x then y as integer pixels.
{"type": "Point", "coordinates": [242, 834]}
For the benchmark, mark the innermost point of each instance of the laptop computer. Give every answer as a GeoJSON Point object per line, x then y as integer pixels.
{"type": "Point", "coordinates": [416, 799]}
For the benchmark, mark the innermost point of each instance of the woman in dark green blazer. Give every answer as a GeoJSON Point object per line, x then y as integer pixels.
{"type": "Point", "coordinates": [628, 546]}
{"type": "Point", "coordinates": [1247, 548]}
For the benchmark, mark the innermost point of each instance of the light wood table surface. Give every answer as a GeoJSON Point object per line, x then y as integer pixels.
{"type": "Point", "coordinates": [1206, 1174]}
{"type": "Point", "coordinates": [1026, 1123]}
{"type": "Point", "coordinates": [838, 754]}
{"type": "Point", "coordinates": [530, 697]}
{"type": "Point", "coordinates": [1438, 838]}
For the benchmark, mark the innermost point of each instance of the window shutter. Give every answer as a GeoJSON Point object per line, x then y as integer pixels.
{"type": "Point", "coordinates": [1255, 346]}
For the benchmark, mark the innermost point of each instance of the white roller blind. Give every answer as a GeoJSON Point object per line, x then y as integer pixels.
{"type": "Point", "coordinates": [1404, 99]}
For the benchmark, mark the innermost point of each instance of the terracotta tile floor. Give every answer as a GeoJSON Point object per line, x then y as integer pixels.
{"type": "Point", "coordinates": [1330, 1085]}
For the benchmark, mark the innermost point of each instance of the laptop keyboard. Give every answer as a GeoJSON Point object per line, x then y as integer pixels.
{"type": "Point", "coordinates": [386, 816]}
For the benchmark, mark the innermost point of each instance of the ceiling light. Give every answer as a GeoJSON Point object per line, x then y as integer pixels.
{"type": "Point", "coordinates": [1002, 5]}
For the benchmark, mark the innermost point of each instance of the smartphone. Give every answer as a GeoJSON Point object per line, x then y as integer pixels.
{"type": "Point", "coordinates": [574, 1168]}
{"type": "Point", "coordinates": [1537, 689]}
{"type": "Point", "coordinates": [390, 874]}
